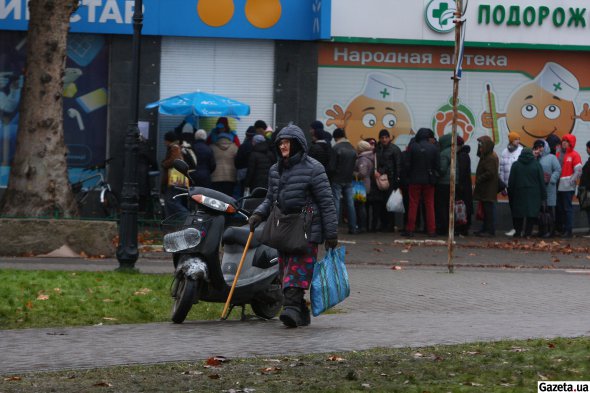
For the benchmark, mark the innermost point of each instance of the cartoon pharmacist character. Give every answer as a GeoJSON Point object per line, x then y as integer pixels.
{"type": "Point", "coordinates": [542, 107]}
{"type": "Point", "coordinates": [381, 105]}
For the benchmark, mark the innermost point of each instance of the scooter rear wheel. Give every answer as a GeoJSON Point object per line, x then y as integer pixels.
{"type": "Point", "coordinates": [185, 293]}
{"type": "Point", "coordinates": [266, 308]}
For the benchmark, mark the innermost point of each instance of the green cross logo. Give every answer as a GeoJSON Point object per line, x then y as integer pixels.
{"type": "Point", "coordinates": [384, 93]}
{"type": "Point", "coordinates": [557, 86]}
{"type": "Point", "coordinates": [439, 15]}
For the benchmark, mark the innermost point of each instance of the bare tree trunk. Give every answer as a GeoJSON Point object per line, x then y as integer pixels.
{"type": "Point", "coordinates": [38, 184]}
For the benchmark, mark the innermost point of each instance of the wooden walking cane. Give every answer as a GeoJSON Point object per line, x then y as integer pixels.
{"type": "Point", "coordinates": [233, 286]}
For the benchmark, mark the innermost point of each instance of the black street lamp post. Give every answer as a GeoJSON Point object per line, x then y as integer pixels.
{"type": "Point", "coordinates": [127, 252]}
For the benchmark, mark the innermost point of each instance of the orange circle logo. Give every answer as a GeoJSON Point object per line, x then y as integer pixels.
{"type": "Point", "coordinates": [215, 13]}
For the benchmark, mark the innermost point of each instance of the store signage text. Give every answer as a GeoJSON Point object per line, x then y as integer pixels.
{"type": "Point", "coordinates": [516, 15]}
{"type": "Point", "coordinates": [344, 55]}
{"type": "Point", "coordinates": [98, 11]}
{"type": "Point", "coordinates": [292, 20]}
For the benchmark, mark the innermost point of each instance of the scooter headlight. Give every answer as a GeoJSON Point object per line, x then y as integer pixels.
{"type": "Point", "coordinates": [182, 240]}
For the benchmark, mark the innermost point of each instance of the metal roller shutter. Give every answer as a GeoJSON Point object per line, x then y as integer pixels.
{"type": "Point", "coordinates": [239, 69]}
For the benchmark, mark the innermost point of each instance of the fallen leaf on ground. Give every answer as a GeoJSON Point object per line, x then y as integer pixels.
{"type": "Point", "coordinates": [555, 260]}
{"type": "Point", "coordinates": [334, 358]}
{"type": "Point", "coordinates": [13, 378]}
{"type": "Point", "coordinates": [192, 372]}
{"type": "Point", "coordinates": [214, 376]}
{"type": "Point", "coordinates": [29, 305]}
{"type": "Point", "coordinates": [378, 249]}
{"type": "Point", "coordinates": [551, 345]}
{"type": "Point", "coordinates": [104, 384]}
{"type": "Point", "coordinates": [270, 370]}
{"type": "Point", "coordinates": [216, 361]}
{"type": "Point", "coordinates": [43, 297]}
{"type": "Point", "coordinates": [142, 291]}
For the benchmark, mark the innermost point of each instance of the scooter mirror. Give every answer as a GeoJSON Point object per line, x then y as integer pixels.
{"type": "Point", "coordinates": [181, 166]}
{"type": "Point", "coordinates": [258, 192]}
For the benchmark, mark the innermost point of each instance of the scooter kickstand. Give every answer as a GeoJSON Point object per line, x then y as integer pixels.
{"type": "Point", "coordinates": [243, 317]}
{"type": "Point", "coordinates": [231, 307]}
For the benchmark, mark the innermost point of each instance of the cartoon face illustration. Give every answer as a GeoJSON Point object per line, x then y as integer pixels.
{"type": "Point", "coordinates": [368, 117]}
{"type": "Point", "coordinates": [380, 106]}
{"type": "Point", "coordinates": [536, 113]}
{"type": "Point", "coordinates": [539, 108]}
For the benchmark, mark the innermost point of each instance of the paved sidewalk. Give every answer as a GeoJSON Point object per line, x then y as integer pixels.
{"type": "Point", "coordinates": [387, 249]}
{"type": "Point", "coordinates": [387, 308]}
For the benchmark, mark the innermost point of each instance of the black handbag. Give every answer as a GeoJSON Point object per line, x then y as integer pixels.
{"type": "Point", "coordinates": [288, 233]}
{"type": "Point", "coordinates": [545, 221]}
{"type": "Point", "coordinates": [501, 185]}
{"type": "Point", "coordinates": [584, 198]}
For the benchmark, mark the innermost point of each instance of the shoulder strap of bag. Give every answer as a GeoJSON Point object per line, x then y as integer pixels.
{"type": "Point", "coordinates": [375, 166]}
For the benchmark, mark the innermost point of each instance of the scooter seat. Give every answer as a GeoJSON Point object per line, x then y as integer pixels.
{"type": "Point", "coordinates": [239, 235]}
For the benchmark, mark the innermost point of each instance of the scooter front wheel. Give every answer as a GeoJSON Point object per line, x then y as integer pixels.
{"type": "Point", "coordinates": [269, 305]}
{"type": "Point", "coordinates": [185, 293]}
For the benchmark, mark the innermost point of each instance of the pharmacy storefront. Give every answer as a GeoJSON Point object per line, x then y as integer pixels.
{"type": "Point", "coordinates": [524, 70]}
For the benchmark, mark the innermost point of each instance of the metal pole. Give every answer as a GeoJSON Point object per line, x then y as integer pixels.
{"type": "Point", "coordinates": [451, 239]}
{"type": "Point", "coordinates": [127, 252]}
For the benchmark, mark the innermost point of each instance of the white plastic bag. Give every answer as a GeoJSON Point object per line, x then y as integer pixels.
{"type": "Point", "coordinates": [395, 203]}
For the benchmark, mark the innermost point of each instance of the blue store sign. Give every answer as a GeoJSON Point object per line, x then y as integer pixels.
{"type": "Point", "coordinates": [264, 19]}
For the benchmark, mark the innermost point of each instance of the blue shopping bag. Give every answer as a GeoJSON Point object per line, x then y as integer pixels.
{"type": "Point", "coordinates": [359, 192]}
{"type": "Point", "coordinates": [329, 285]}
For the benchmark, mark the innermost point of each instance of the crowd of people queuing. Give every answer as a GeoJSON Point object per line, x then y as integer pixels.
{"type": "Point", "coordinates": [539, 182]}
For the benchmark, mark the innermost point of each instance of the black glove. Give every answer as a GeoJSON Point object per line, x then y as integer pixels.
{"type": "Point", "coordinates": [331, 243]}
{"type": "Point", "coordinates": [254, 221]}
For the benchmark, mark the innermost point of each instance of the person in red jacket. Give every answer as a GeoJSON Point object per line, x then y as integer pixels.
{"type": "Point", "coordinates": [571, 169]}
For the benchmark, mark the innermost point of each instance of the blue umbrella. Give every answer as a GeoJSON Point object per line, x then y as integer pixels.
{"type": "Point", "coordinates": [199, 103]}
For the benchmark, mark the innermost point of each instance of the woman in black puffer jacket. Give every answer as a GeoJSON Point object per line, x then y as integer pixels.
{"type": "Point", "coordinates": [259, 163]}
{"type": "Point", "coordinates": [297, 180]}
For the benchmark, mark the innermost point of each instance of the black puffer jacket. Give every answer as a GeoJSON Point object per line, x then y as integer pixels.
{"type": "Point", "coordinates": [298, 180]}
{"type": "Point", "coordinates": [205, 164]}
{"type": "Point", "coordinates": [342, 162]}
{"type": "Point", "coordinates": [259, 163]}
{"type": "Point", "coordinates": [389, 161]}
{"type": "Point", "coordinates": [321, 151]}
{"type": "Point", "coordinates": [423, 160]}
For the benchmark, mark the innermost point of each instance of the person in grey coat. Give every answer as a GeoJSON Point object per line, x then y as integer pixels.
{"type": "Point", "coordinates": [551, 173]}
{"type": "Point", "coordinates": [297, 181]}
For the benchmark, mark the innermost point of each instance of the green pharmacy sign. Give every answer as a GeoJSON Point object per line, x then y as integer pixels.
{"type": "Point", "coordinates": [439, 15]}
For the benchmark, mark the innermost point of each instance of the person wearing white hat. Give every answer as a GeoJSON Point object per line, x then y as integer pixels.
{"type": "Point", "coordinates": [381, 105]}
{"type": "Point", "coordinates": [543, 106]}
